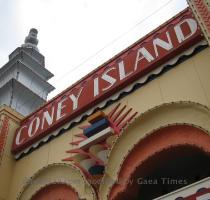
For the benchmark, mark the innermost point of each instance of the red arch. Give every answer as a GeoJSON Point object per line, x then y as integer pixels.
{"type": "Point", "coordinates": [161, 140]}
{"type": "Point", "coordinates": [56, 192]}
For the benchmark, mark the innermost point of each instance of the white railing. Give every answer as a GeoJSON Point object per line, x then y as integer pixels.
{"type": "Point", "coordinates": [189, 191]}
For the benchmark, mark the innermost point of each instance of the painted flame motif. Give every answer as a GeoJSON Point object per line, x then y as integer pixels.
{"type": "Point", "coordinates": [93, 144]}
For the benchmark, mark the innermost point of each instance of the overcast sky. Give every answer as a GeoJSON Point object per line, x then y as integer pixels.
{"type": "Point", "coordinates": [76, 36]}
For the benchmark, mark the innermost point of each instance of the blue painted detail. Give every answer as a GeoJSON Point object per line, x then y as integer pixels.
{"type": "Point", "coordinates": [96, 127]}
{"type": "Point", "coordinates": [96, 169]}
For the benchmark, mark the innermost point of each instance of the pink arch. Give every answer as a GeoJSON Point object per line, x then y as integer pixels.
{"type": "Point", "coordinates": [56, 192]}
{"type": "Point", "coordinates": [167, 138]}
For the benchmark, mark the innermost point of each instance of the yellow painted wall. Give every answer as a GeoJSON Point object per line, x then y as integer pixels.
{"type": "Point", "coordinates": [7, 163]}
{"type": "Point", "coordinates": [188, 81]}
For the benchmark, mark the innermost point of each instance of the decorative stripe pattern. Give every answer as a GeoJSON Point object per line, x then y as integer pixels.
{"type": "Point", "coordinates": [202, 13]}
{"type": "Point", "coordinates": [4, 127]}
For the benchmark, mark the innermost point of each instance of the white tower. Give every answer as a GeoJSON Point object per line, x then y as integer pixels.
{"type": "Point", "coordinates": [23, 79]}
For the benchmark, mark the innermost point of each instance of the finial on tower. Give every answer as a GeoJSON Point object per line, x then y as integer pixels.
{"type": "Point", "coordinates": [31, 40]}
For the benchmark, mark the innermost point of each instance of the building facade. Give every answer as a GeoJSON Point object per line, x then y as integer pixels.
{"type": "Point", "coordinates": [137, 127]}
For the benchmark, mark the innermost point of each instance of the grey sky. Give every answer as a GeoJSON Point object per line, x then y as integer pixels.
{"type": "Point", "coordinates": [71, 31]}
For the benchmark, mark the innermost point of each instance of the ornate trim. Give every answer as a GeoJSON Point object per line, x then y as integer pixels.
{"type": "Point", "coordinates": [94, 139]}
{"type": "Point", "coordinates": [54, 180]}
{"type": "Point", "coordinates": [201, 11]}
{"type": "Point", "coordinates": [4, 128]}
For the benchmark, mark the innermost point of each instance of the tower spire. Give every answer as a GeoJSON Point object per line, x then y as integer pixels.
{"type": "Point", "coordinates": [25, 73]}
{"type": "Point", "coordinates": [31, 40]}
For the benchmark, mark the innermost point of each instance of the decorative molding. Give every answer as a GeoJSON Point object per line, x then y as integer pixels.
{"type": "Point", "coordinates": [4, 128]}
{"type": "Point", "coordinates": [201, 10]}
{"type": "Point", "coordinates": [90, 154]}
{"type": "Point", "coordinates": [11, 113]}
{"type": "Point", "coordinates": [29, 189]}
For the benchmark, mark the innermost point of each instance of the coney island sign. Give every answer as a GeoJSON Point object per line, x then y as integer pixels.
{"type": "Point", "coordinates": [159, 46]}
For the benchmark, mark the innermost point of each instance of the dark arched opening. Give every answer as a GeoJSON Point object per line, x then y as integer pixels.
{"type": "Point", "coordinates": [174, 169]}
{"type": "Point", "coordinates": [169, 159]}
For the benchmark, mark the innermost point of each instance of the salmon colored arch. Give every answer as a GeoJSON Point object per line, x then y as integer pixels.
{"type": "Point", "coordinates": [56, 192]}
{"type": "Point", "coordinates": [165, 138]}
